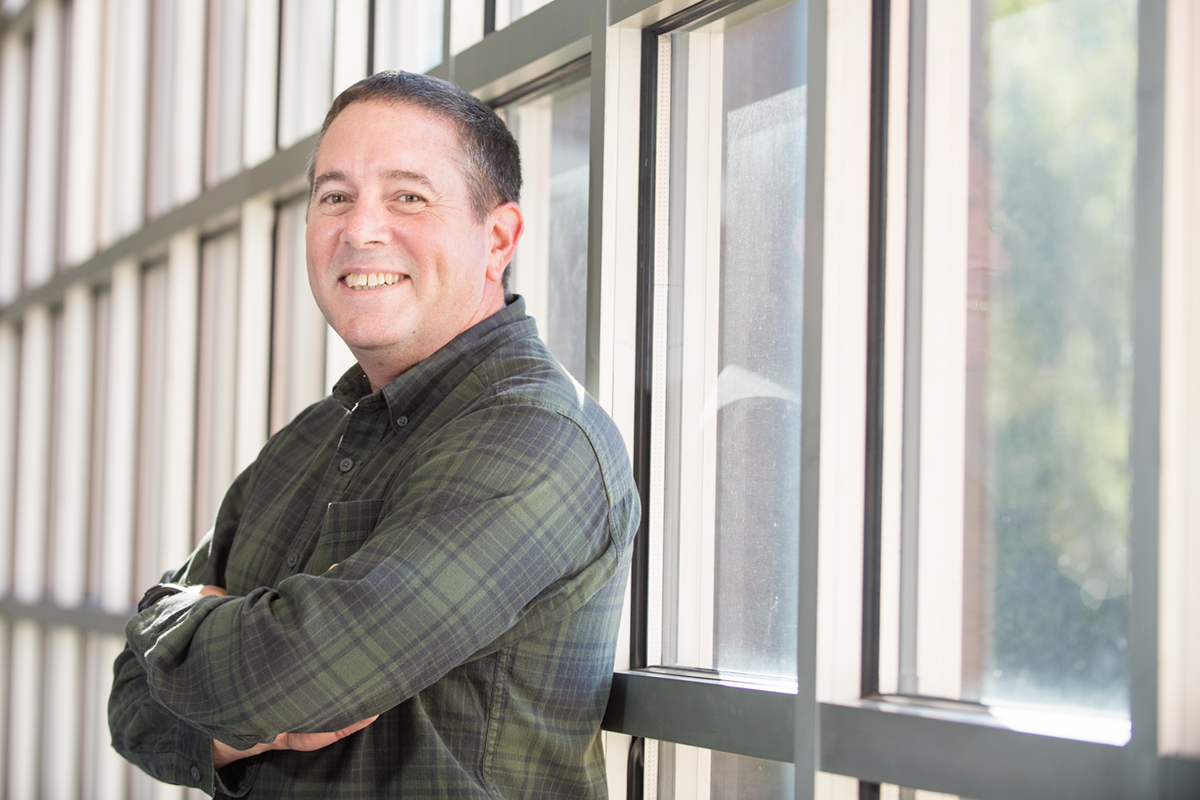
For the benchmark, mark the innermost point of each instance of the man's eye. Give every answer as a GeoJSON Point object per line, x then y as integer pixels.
{"type": "Point", "coordinates": [408, 197]}
{"type": "Point", "coordinates": [333, 198]}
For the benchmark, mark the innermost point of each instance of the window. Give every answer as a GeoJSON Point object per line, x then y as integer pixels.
{"type": "Point", "coordinates": [550, 268]}
{"type": "Point", "coordinates": [730, 264]}
{"type": "Point", "coordinates": [299, 330]}
{"type": "Point", "coordinates": [306, 80]}
{"type": "Point", "coordinates": [1019, 360]}
{"type": "Point", "coordinates": [121, 209]}
{"type": "Point", "coordinates": [175, 156]}
{"type": "Point", "coordinates": [408, 35]}
{"type": "Point", "coordinates": [223, 118]}
{"type": "Point", "coordinates": [14, 97]}
{"type": "Point", "coordinates": [725, 439]}
{"type": "Point", "coordinates": [216, 389]}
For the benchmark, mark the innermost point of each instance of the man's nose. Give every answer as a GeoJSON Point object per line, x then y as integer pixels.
{"type": "Point", "coordinates": [367, 223]}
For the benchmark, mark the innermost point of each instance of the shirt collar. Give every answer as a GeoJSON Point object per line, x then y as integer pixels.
{"type": "Point", "coordinates": [415, 392]}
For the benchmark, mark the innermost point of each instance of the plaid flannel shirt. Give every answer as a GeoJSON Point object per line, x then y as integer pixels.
{"type": "Point", "coordinates": [480, 511]}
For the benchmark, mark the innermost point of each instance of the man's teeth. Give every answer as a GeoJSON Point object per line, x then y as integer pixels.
{"type": "Point", "coordinates": [357, 280]}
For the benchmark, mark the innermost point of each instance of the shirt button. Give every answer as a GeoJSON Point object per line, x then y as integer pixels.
{"type": "Point", "coordinates": [401, 421]}
{"type": "Point", "coordinates": [346, 465]}
{"type": "Point", "coordinates": [195, 773]}
{"type": "Point", "coordinates": [292, 559]}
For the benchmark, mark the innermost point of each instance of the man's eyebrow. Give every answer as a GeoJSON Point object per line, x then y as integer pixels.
{"type": "Point", "coordinates": [391, 175]}
{"type": "Point", "coordinates": [408, 175]}
{"type": "Point", "coordinates": [327, 177]}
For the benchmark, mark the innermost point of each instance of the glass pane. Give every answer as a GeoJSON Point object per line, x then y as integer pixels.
{"type": "Point", "coordinates": [1049, 346]}
{"type": "Point", "coordinates": [408, 34]}
{"type": "Point", "coordinates": [298, 329]}
{"type": "Point", "coordinates": [217, 377]}
{"type": "Point", "coordinates": [686, 772]}
{"type": "Point", "coordinates": [306, 75]}
{"type": "Point", "coordinates": [158, 157]}
{"type": "Point", "coordinates": [728, 360]}
{"type": "Point", "coordinates": [509, 11]}
{"type": "Point", "coordinates": [890, 791]}
{"type": "Point", "coordinates": [550, 268]}
{"type": "Point", "coordinates": [226, 56]}
{"type": "Point", "coordinates": [148, 561]}
{"type": "Point", "coordinates": [122, 132]}
{"type": "Point", "coordinates": [101, 365]}
{"type": "Point", "coordinates": [1041, 237]}
{"type": "Point", "coordinates": [14, 110]}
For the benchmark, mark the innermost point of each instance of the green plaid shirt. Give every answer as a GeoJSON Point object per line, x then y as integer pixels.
{"type": "Point", "coordinates": [480, 510]}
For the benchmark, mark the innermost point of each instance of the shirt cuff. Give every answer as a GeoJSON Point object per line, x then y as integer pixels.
{"type": "Point", "coordinates": [194, 766]}
{"type": "Point", "coordinates": [189, 762]}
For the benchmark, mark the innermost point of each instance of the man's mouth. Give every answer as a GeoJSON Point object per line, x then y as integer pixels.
{"type": "Point", "coordinates": [359, 280]}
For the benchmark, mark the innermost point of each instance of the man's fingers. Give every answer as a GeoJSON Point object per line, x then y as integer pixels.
{"type": "Point", "coordinates": [358, 726]}
{"type": "Point", "coordinates": [315, 741]}
{"type": "Point", "coordinates": [211, 591]}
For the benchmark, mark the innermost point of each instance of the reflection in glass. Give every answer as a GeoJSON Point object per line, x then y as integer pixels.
{"type": "Point", "coordinates": [550, 267]}
{"type": "Point", "coordinates": [1049, 352]}
{"type": "Point", "coordinates": [686, 772]}
{"type": "Point", "coordinates": [731, 346]}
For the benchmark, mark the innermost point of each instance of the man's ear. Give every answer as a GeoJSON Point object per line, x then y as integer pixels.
{"type": "Point", "coordinates": [505, 226]}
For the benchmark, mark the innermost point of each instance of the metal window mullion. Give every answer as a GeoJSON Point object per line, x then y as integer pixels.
{"type": "Point", "coordinates": [806, 720]}
{"type": "Point", "coordinates": [658, 386]}
{"type": "Point", "coordinates": [876, 276]}
{"type": "Point", "coordinates": [714, 715]}
{"type": "Point", "coordinates": [1142, 771]}
{"type": "Point", "coordinates": [911, 468]}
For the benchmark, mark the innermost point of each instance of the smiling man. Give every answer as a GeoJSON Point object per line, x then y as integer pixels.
{"type": "Point", "coordinates": [415, 589]}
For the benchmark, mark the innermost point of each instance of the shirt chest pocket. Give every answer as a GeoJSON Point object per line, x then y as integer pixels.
{"type": "Point", "coordinates": [345, 529]}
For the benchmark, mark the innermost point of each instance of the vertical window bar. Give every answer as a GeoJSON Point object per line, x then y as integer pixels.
{"type": "Point", "coordinates": [912, 346]}
{"type": "Point", "coordinates": [876, 246]}
{"type": "Point", "coordinates": [1145, 445]}
{"type": "Point", "coordinates": [639, 586]}
{"type": "Point", "coordinates": [489, 17]}
{"type": "Point", "coordinates": [371, 37]}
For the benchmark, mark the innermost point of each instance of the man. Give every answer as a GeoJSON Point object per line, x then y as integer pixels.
{"type": "Point", "coordinates": [415, 589]}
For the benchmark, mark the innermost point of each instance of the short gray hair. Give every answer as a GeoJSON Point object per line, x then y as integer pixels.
{"type": "Point", "coordinates": [490, 160]}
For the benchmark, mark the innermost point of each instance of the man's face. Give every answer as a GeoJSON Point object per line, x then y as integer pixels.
{"type": "Point", "coordinates": [397, 261]}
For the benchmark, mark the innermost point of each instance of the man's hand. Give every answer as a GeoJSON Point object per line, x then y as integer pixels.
{"type": "Point", "coordinates": [224, 755]}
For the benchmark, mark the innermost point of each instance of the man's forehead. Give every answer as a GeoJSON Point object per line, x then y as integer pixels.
{"type": "Point", "coordinates": [402, 114]}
